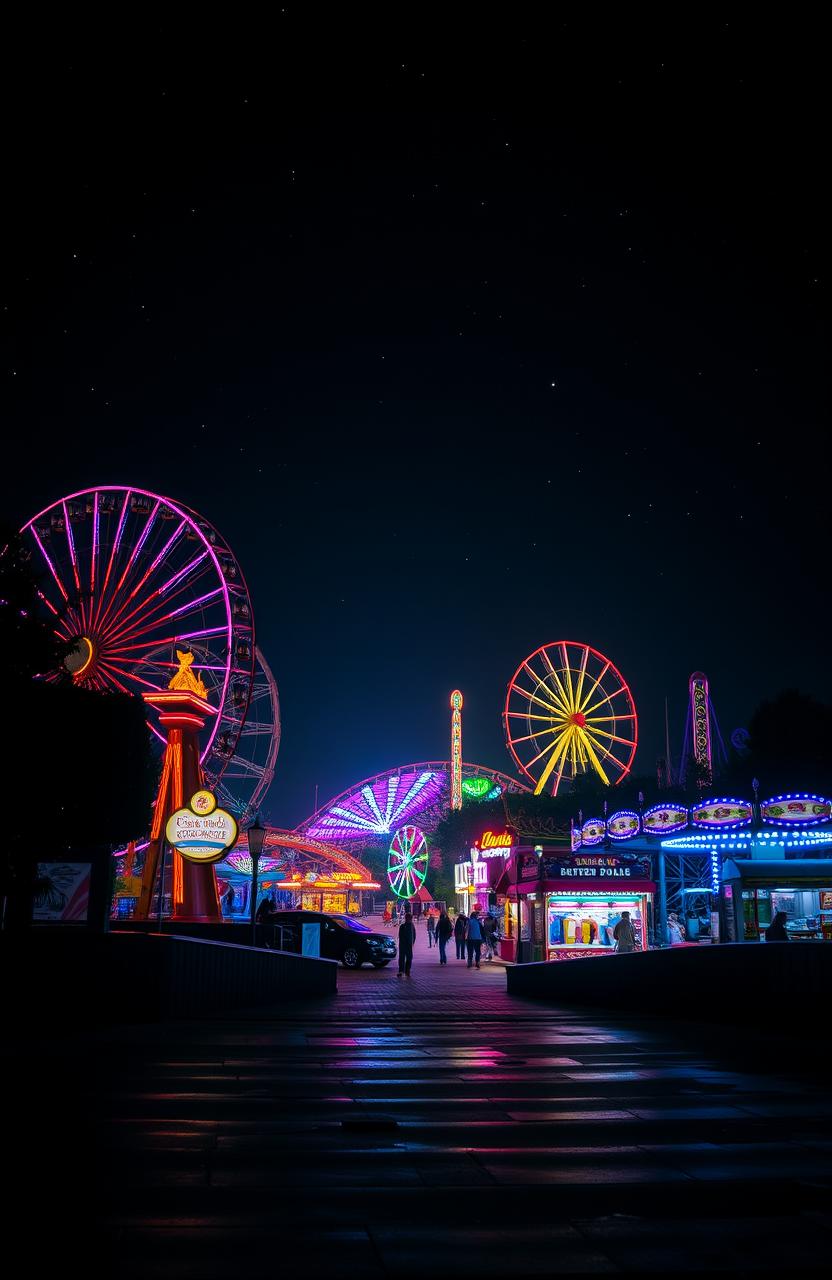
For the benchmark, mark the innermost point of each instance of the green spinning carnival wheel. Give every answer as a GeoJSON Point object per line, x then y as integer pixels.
{"type": "Point", "coordinates": [407, 861]}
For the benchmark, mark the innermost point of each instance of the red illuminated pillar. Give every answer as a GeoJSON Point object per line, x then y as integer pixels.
{"type": "Point", "coordinates": [195, 897]}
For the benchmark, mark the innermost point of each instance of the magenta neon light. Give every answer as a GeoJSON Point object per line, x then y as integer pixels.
{"type": "Point", "coordinates": [194, 604]}
{"type": "Point", "coordinates": [165, 549]}
{"type": "Point", "coordinates": [113, 554]}
{"type": "Point", "coordinates": [134, 553]}
{"type": "Point", "coordinates": [94, 545]}
{"type": "Point", "coordinates": [51, 565]}
{"type": "Point", "coordinates": [161, 591]}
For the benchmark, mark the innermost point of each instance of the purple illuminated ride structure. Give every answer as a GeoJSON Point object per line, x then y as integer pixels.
{"type": "Point", "coordinates": [381, 804]}
{"type": "Point", "coordinates": [702, 748]}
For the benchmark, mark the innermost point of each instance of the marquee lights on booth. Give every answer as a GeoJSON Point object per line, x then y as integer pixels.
{"type": "Point", "coordinates": [761, 841]}
{"type": "Point", "coordinates": [661, 819]}
{"type": "Point", "coordinates": [623, 825]}
{"type": "Point", "coordinates": [593, 832]}
{"type": "Point", "coordinates": [724, 813]}
{"type": "Point", "coordinates": [799, 810]}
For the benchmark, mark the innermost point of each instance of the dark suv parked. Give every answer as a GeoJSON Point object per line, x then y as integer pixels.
{"type": "Point", "coordinates": [342, 938]}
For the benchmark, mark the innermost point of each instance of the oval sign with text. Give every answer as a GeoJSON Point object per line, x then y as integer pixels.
{"type": "Point", "coordinates": [199, 836]}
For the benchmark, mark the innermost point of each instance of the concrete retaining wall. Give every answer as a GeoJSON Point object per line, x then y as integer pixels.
{"type": "Point", "coordinates": [59, 976]}
{"type": "Point", "coordinates": [763, 984]}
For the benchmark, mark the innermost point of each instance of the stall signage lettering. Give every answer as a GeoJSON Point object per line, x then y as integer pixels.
{"type": "Point", "coordinates": [494, 844]}
{"type": "Point", "coordinates": [584, 867]}
{"type": "Point", "coordinates": [201, 836]}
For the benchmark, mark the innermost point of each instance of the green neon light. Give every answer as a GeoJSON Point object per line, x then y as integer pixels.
{"type": "Point", "coordinates": [476, 788]}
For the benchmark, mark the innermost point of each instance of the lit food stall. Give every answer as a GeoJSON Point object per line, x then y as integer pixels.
{"type": "Point", "coordinates": [569, 903]}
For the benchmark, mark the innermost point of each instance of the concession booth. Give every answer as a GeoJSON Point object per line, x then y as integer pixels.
{"type": "Point", "coordinates": [565, 904]}
{"type": "Point", "coordinates": [754, 890]}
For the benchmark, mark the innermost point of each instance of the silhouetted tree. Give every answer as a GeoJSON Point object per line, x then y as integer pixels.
{"type": "Point", "coordinates": [77, 765]}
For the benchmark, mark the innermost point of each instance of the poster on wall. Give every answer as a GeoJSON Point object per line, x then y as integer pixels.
{"type": "Point", "coordinates": [62, 893]}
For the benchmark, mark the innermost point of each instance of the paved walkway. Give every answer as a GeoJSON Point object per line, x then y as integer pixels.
{"type": "Point", "coordinates": [424, 1127]}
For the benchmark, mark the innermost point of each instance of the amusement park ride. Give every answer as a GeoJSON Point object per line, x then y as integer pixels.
{"type": "Point", "coordinates": [150, 599]}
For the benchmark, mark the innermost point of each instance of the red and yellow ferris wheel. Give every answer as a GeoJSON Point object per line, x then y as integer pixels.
{"type": "Point", "coordinates": [569, 711]}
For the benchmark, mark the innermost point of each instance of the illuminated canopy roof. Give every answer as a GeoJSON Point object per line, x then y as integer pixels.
{"type": "Point", "coordinates": [380, 804]}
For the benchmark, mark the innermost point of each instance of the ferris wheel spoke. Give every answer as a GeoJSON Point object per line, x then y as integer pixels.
{"type": "Point", "coordinates": [532, 697]}
{"type": "Point", "coordinates": [114, 550]}
{"type": "Point", "coordinates": [177, 577]}
{"type": "Point", "coordinates": [541, 683]}
{"type": "Point", "coordinates": [550, 747]}
{"type": "Point", "coordinates": [134, 555]}
{"type": "Point", "coordinates": [613, 737]}
{"type": "Point", "coordinates": [118, 617]}
{"type": "Point", "coordinates": [560, 747]}
{"type": "Point", "coordinates": [581, 674]}
{"type": "Point", "coordinates": [50, 565]}
{"type": "Point", "coordinates": [596, 763]}
{"type": "Point", "coordinates": [193, 606]}
{"type": "Point", "coordinates": [596, 683]}
{"type": "Point", "coordinates": [607, 719]}
{"type": "Point", "coordinates": [539, 733]}
{"type": "Point", "coordinates": [129, 674]}
{"type": "Point", "coordinates": [112, 676]}
{"type": "Point", "coordinates": [152, 606]}
{"type": "Point", "coordinates": [567, 673]}
{"type": "Point", "coordinates": [94, 556]}
{"type": "Point", "coordinates": [608, 697]}
{"type": "Point", "coordinates": [559, 691]}
{"type": "Point", "coordinates": [529, 715]}
{"type": "Point", "coordinates": [154, 614]}
{"type": "Point", "coordinates": [70, 541]}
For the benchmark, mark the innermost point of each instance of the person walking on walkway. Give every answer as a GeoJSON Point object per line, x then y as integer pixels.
{"type": "Point", "coordinates": [776, 932]}
{"type": "Point", "coordinates": [407, 937]}
{"type": "Point", "coordinates": [444, 930]}
{"type": "Point", "coordinates": [675, 930]}
{"type": "Point", "coordinates": [624, 934]}
{"type": "Point", "coordinates": [489, 928]}
{"type": "Point", "coordinates": [431, 929]}
{"type": "Point", "coordinates": [474, 938]}
{"type": "Point", "coordinates": [460, 925]}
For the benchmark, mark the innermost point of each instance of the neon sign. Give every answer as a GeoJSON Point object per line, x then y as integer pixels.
{"type": "Point", "coordinates": [499, 841]}
{"type": "Point", "coordinates": [476, 788]}
{"type": "Point", "coordinates": [202, 832]}
{"type": "Point", "coordinates": [456, 749]}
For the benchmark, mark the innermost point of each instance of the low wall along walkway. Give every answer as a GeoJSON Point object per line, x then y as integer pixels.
{"type": "Point", "coordinates": [734, 982]}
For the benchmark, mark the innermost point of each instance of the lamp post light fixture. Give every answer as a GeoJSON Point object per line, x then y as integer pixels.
{"type": "Point", "coordinates": [256, 836]}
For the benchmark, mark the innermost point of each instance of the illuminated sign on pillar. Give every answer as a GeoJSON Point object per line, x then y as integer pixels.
{"type": "Point", "coordinates": [456, 749]}
{"type": "Point", "coordinates": [700, 719]}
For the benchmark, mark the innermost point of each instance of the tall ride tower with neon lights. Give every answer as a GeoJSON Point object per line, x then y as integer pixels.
{"type": "Point", "coordinates": [703, 746]}
{"type": "Point", "coordinates": [183, 710]}
{"type": "Point", "coordinates": [456, 749]}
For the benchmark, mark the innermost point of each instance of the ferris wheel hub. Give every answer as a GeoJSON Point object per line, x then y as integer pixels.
{"type": "Point", "coordinates": [80, 657]}
{"type": "Point", "coordinates": [578, 718]}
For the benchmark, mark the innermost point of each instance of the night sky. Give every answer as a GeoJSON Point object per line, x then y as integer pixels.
{"type": "Point", "coordinates": [467, 340]}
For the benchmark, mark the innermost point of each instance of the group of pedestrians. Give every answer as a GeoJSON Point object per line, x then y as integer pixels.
{"type": "Point", "coordinates": [472, 935]}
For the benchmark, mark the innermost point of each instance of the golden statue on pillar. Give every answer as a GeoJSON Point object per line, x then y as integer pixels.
{"type": "Point", "coordinates": [185, 678]}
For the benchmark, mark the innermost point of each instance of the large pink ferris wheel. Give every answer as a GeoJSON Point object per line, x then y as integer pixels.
{"type": "Point", "coordinates": [127, 577]}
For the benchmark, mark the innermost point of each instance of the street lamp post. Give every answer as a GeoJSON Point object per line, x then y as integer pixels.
{"type": "Point", "coordinates": [256, 835]}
